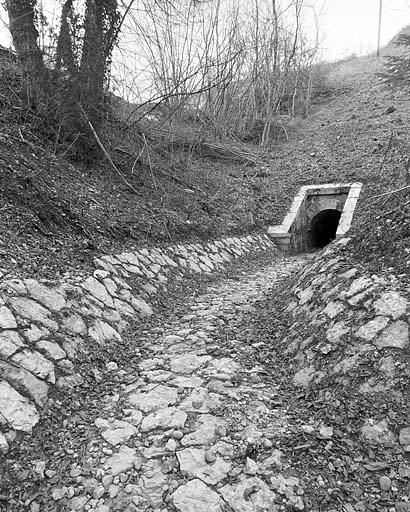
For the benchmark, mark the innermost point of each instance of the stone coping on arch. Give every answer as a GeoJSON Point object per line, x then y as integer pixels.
{"type": "Point", "coordinates": [286, 235]}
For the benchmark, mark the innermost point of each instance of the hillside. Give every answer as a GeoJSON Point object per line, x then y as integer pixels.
{"type": "Point", "coordinates": [59, 215]}
{"type": "Point", "coordinates": [141, 372]}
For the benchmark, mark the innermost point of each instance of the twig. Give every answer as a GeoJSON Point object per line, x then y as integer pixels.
{"type": "Point", "coordinates": [386, 194]}
{"type": "Point", "coordinates": [303, 447]}
{"type": "Point", "coordinates": [21, 136]}
{"type": "Point", "coordinates": [386, 152]}
{"type": "Point", "coordinates": [394, 209]}
{"type": "Point", "coordinates": [139, 155]}
{"type": "Point", "coordinates": [71, 145]}
{"type": "Point", "coordinates": [177, 180]}
{"type": "Point", "coordinates": [97, 138]}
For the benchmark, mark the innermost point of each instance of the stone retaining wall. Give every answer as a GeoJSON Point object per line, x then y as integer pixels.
{"type": "Point", "coordinates": [44, 325]}
{"type": "Point", "coordinates": [349, 331]}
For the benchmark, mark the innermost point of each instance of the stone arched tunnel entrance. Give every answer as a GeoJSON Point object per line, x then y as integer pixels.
{"type": "Point", "coordinates": [323, 228]}
{"type": "Point", "coordinates": [319, 214]}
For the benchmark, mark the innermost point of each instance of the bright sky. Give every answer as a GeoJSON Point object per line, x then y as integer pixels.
{"type": "Point", "coordinates": [349, 26]}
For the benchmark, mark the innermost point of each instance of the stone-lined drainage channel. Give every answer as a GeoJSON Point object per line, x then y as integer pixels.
{"type": "Point", "coordinates": [178, 436]}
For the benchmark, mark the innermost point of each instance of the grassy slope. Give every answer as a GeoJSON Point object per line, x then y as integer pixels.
{"type": "Point", "coordinates": [55, 215]}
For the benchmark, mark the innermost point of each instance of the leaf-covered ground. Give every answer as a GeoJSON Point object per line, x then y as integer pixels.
{"type": "Point", "coordinates": [56, 215]}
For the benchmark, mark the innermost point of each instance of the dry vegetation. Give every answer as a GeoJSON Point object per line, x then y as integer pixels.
{"type": "Point", "coordinates": [186, 162]}
{"type": "Point", "coordinates": [175, 178]}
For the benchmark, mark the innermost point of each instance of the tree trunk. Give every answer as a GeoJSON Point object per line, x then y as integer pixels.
{"type": "Point", "coordinates": [93, 65]}
{"type": "Point", "coordinates": [64, 51]}
{"type": "Point", "coordinates": [25, 36]}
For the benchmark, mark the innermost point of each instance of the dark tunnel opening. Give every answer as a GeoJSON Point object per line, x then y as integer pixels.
{"type": "Point", "coordinates": [323, 228]}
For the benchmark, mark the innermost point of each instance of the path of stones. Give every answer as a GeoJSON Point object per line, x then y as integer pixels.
{"type": "Point", "coordinates": [178, 439]}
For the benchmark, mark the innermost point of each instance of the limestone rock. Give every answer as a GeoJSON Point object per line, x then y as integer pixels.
{"type": "Point", "coordinates": [35, 363]}
{"type": "Point", "coordinates": [74, 324]}
{"type": "Point", "coordinates": [18, 410]}
{"type": "Point", "coordinates": [347, 364]}
{"type": "Point", "coordinates": [110, 285]}
{"type": "Point", "coordinates": [98, 290]}
{"type": "Point", "coordinates": [171, 445]}
{"type": "Point", "coordinates": [51, 350]}
{"type": "Point", "coordinates": [385, 483]}
{"type": "Point", "coordinates": [391, 304]}
{"type": "Point", "coordinates": [59, 493]}
{"type": "Point", "coordinates": [28, 308]}
{"type": "Point", "coordinates": [15, 285]}
{"type": "Point", "coordinates": [122, 461]}
{"type": "Point", "coordinates": [273, 461]}
{"type": "Point", "coordinates": [359, 285]}
{"type": "Point", "coordinates": [217, 386]}
{"type": "Point", "coordinates": [25, 382]}
{"type": "Point", "coordinates": [404, 436]}
{"type": "Point", "coordinates": [305, 295]}
{"type": "Point", "coordinates": [10, 342]}
{"type": "Point", "coordinates": [158, 376]}
{"type": "Point", "coordinates": [50, 298]}
{"type": "Point", "coordinates": [34, 333]}
{"type": "Point", "coordinates": [249, 495]}
{"type": "Point", "coordinates": [223, 368]}
{"type": "Point", "coordinates": [71, 346]}
{"type": "Point", "coordinates": [201, 401]}
{"type": "Point", "coordinates": [153, 487]}
{"type": "Point", "coordinates": [120, 434]}
{"type": "Point", "coordinates": [141, 307]}
{"type": "Point", "coordinates": [304, 377]}
{"type": "Point", "coordinates": [4, 445]}
{"type": "Point", "coordinates": [151, 364]}
{"type": "Point", "coordinates": [124, 308]}
{"type": "Point", "coordinates": [335, 333]}
{"type": "Point", "coordinates": [195, 496]}
{"type": "Point", "coordinates": [156, 397]}
{"type": "Point", "coordinates": [206, 430]}
{"type": "Point", "coordinates": [377, 432]}
{"type": "Point", "coordinates": [133, 416]}
{"type": "Point", "coordinates": [167, 418]}
{"type": "Point", "coordinates": [370, 330]}
{"type": "Point", "coordinates": [284, 485]}
{"type": "Point", "coordinates": [251, 467]}
{"type": "Point", "coordinates": [182, 381]}
{"type": "Point", "coordinates": [333, 309]}
{"type": "Point", "coordinates": [101, 332]}
{"type": "Point", "coordinates": [69, 382]}
{"type": "Point", "coordinates": [395, 335]}
{"type": "Point", "coordinates": [78, 503]}
{"type": "Point", "coordinates": [188, 363]}
{"type": "Point", "coordinates": [192, 463]}
{"type": "Point", "coordinates": [7, 320]}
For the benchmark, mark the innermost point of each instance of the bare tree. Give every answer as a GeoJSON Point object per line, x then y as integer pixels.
{"type": "Point", "coordinates": [77, 67]}
{"type": "Point", "coordinates": [25, 38]}
{"type": "Point", "coordinates": [235, 68]}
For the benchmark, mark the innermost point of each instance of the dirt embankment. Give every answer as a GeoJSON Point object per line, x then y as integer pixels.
{"type": "Point", "coordinates": [56, 215]}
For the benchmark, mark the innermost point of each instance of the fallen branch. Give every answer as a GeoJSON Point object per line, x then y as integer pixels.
{"type": "Point", "coordinates": [386, 152]}
{"type": "Point", "coordinates": [385, 194]}
{"type": "Point", "coordinates": [395, 209]}
{"type": "Point", "coordinates": [177, 180]}
{"type": "Point", "coordinates": [97, 138]}
{"type": "Point", "coordinates": [215, 149]}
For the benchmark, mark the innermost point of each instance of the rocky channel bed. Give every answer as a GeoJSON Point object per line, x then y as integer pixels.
{"type": "Point", "coordinates": [208, 419]}
{"type": "Point", "coordinates": [44, 326]}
